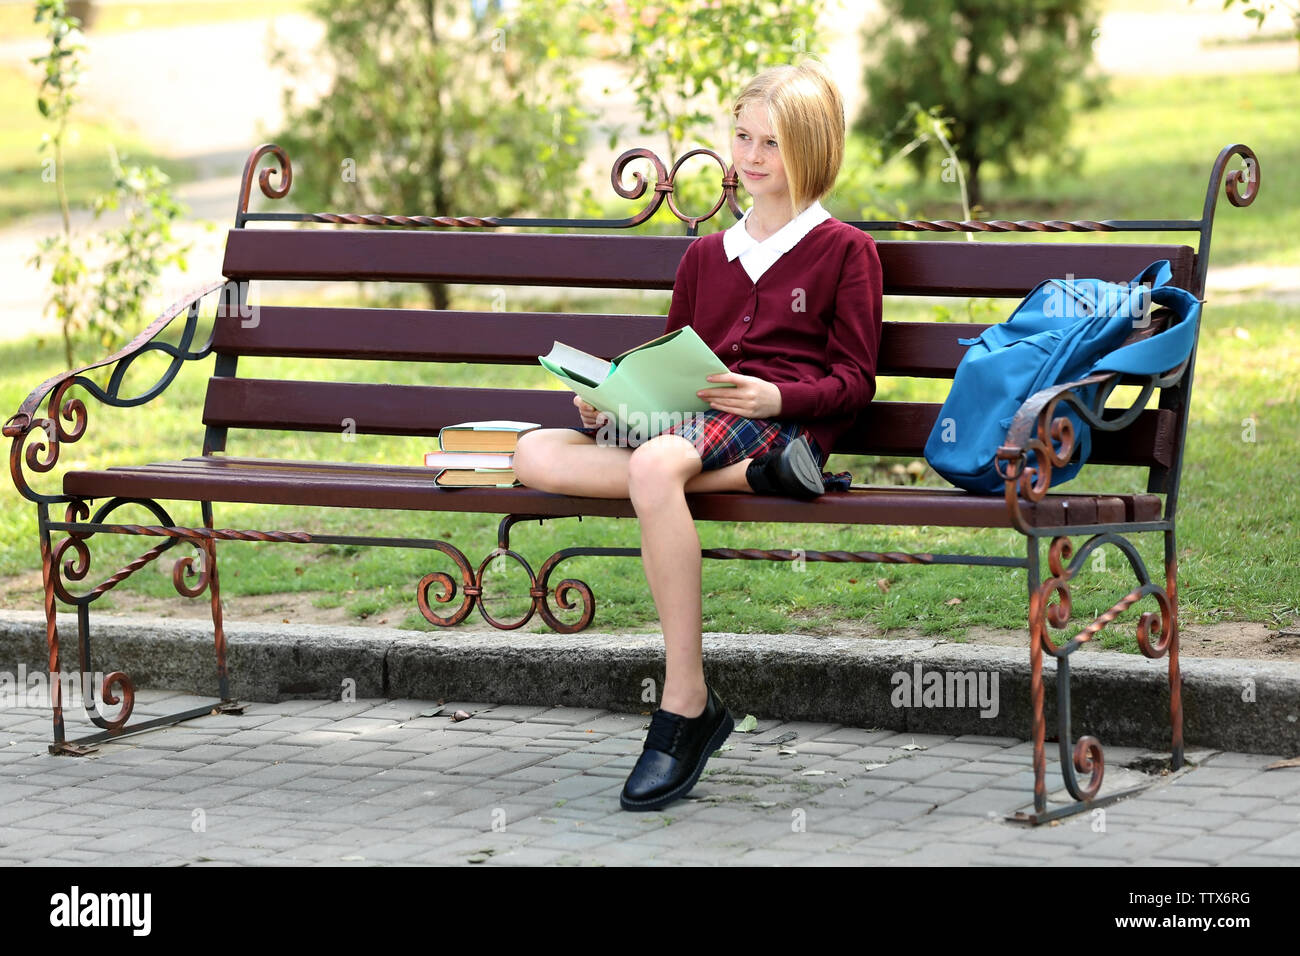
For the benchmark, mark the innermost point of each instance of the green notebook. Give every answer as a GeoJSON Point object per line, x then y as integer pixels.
{"type": "Point", "coordinates": [647, 388]}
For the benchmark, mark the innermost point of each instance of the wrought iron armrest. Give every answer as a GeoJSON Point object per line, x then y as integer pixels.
{"type": "Point", "coordinates": [1038, 428]}
{"type": "Point", "coordinates": [65, 420]}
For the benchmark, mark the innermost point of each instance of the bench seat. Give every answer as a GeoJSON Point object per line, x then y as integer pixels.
{"type": "Point", "coordinates": [406, 488]}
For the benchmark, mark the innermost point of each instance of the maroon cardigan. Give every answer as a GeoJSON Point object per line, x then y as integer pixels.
{"type": "Point", "coordinates": [810, 325]}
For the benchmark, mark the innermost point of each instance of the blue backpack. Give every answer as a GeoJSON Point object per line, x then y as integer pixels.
{"type": "Point", "coordinates": [1063, 331]}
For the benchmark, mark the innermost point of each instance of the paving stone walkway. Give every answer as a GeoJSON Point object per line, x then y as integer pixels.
{"type": "Point", "coordinates": [376, 782]}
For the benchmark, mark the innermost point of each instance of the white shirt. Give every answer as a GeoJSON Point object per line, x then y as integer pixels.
{"type": "Point", "coordinates": [757, 257]}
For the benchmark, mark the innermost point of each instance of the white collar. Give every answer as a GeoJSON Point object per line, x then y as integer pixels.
{"type": "Point", "coordinates": [737, 239]}
{"type": "Point", "coordinates": [757, 256]}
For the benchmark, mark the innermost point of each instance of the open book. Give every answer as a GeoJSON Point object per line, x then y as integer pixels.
{"type": "Point", "coordinates": [647, 388]}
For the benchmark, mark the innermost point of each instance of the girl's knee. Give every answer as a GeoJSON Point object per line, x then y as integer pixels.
{"type": "Point", "coordinates": [661, 465]}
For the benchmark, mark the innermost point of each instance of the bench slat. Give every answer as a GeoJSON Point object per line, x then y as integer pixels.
{"type": "Point", "coordinates": [902, 428]}
{"type": "Point", "coordinates": [919, 349]}
{"type": "Point", "coordinates": [924, 267]}
{"type": "Point", "coordinates": [996, 268]}
{"type": "Point", "coordinates": [353, 486]}
{"type": "Point", "coordinates": [885, 428]}
{"type": "Point", "coordinates": [374, 409]}
{"type": "Point", "coordinates": [425, 335]}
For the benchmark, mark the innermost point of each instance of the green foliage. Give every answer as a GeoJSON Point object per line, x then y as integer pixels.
{"type": "Point", "coordinates": [863, 190]}
{"type": "Point", "coordinates": [438, 109]}
{"type": "Point", "coordinates": [867, 187]}
{"type": "Point", "coordinates": [688, 60]}
{"type": "Point", "coordinates": [55, 101]}
{"type": "Point", "coordinates": [1011, 74]}
{"type": "Point", "coordinates": [62, 68]}
{"type": "Point", "coordinates": [109, 308]}
{"type": "Point", "coordinates": [137, 252]}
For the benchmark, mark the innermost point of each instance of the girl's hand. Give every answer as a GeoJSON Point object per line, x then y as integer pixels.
{"type": "Point", "coordinates": [590, 417]}
{"type": "Point", "coordinates": [751, 398]}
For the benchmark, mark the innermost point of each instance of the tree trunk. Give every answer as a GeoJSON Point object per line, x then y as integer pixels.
{"type": "Point", "coordinates": [438, 296]}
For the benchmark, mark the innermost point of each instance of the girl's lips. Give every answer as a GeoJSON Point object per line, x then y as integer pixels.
{"type": "Point", "coordinates": [754, 175]}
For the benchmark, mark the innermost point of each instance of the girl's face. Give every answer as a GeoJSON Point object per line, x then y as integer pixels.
{"type": "Point", "coordinates": [754, 150]}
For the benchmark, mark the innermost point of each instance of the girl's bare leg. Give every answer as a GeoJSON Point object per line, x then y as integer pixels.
{"type": "Point", "coordinates": [567, 462]}
{"type": "Point", "coordinates": [660, 471]}
{"type": "Point", "coordinates": [656, 476]}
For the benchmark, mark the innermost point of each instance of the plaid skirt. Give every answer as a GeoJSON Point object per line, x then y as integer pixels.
{"type": "Point", "coordinates": [724, 438]}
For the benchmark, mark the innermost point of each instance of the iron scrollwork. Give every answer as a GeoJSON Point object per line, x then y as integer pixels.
{"type": "Point", "coordinates": [66, 418]}
{"type": "Point", "coordinates": [1050, 605]}
{"type": "Point", "coordinates": [539, 589]}
{"type": "Point", "coordinates": [1041, 430]}
{"type": "Point", "coordinates": [664, 190]}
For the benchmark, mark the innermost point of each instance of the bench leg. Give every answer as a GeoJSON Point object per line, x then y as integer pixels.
{"type": "Point", "coordinates": [209, 546]}
{"type": "Point", "coordinates": [115, 689]}
{"type": "Point", "coordinates": [51, 626]}
{"type": "Point", "coordinates": [1049, 603]}
{"type": "Point", "coordinates": [1038, 728]}
{"type": "Point", "coordinates": [1175, 672]}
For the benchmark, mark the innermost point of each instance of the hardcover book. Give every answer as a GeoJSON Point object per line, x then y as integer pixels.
{"type": "Point", "coordinates": [493, 436]}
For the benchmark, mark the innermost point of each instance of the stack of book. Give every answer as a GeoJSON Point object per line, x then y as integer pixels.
{"type": "Point", "coordinates": [477, 454]}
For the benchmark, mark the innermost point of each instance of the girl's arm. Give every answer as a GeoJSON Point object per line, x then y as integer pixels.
{"type": "Point", "coordinates": [852, 346]}
{"type": "Point", "coordinates": [681, 312]}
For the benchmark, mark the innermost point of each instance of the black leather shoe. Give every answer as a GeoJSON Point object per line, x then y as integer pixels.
{"type": "Point", "coordinates": [675, 752]}
{"type": "Point", "coordinates": [790, 470]}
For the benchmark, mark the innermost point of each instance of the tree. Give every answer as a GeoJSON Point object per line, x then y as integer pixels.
{"type": "Point", "coordinates": [439, 108]}
{"type": "Point", "coordinates": [1009, 74]}
{"type": "Point", "coordinates": [687, 59]}
{"type": "Point", "coordinates": [108, 306]}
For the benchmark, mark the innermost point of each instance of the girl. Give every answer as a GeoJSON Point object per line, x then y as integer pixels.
{"type": "Point", "coordinates": [789, 298]}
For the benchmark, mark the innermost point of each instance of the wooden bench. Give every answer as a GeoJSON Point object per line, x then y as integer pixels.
{"type": "Point", "coordinates": [472, 250]}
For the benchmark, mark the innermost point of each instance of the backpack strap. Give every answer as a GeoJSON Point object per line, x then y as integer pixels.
{"type": "Point", "coordinates": [1164, 350]}
{"type": "Point", "coordinates": [1159, 273]}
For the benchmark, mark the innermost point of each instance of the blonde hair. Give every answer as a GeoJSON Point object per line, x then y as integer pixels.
{"type": "Point", "coordinates": [806, 111]}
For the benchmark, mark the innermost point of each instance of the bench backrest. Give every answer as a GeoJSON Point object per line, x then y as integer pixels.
{"type": "Point", "coordinates": [986, 268]}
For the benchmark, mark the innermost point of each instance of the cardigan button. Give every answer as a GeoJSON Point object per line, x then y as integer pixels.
{"type": "Point", "coordinates": [747, 318]}
{"type": "Point", "coordinates": [735, 348]}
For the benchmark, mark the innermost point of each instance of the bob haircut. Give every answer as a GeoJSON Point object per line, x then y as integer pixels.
{"type": "Point", "coordinates": [806, 112]}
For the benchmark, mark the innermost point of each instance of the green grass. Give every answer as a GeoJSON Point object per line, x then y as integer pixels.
{"type": "Point", "coordinates": [1236, 562]}
{"type": "Point", "coordinates": [1148, 155]}
{"type": "Point", "coordinates": [23, 188]}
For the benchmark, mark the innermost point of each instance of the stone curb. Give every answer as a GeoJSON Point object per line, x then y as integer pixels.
{"type": "Point", "coordinates": [1229, 704]}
